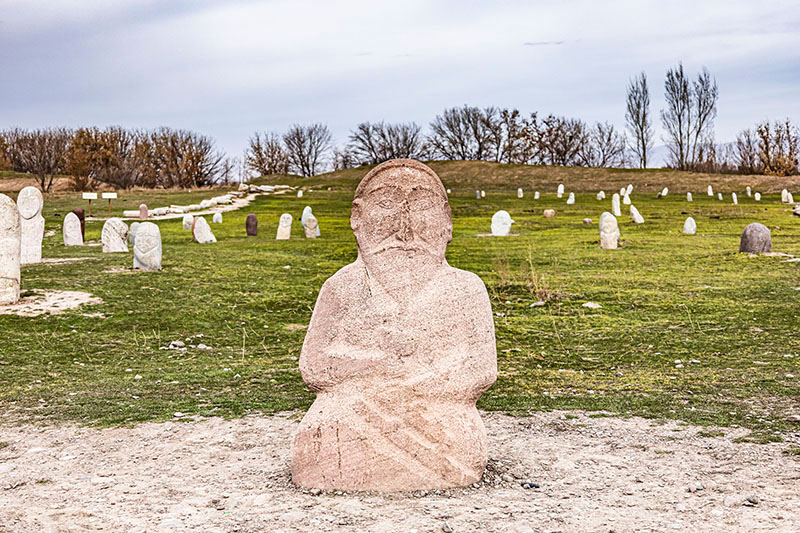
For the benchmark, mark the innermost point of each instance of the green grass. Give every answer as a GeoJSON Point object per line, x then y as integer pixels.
{"type": "Point", "coordinates": [665, 296]}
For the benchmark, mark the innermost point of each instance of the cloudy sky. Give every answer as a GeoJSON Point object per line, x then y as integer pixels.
{"type": "Point", "coordinates": [229, 68]}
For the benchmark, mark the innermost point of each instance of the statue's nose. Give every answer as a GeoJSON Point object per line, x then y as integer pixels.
{"type": "Point", "coordinates": [405, 234]}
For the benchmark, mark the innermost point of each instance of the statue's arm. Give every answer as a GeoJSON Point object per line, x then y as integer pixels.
{"type": "Point", "coordinates": [315, 364]}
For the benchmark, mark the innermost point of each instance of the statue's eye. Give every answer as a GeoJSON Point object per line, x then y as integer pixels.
{"type": "Point", "coordinates": [421, 204]}
{"type": "Point", "coordinates": [386, 204]}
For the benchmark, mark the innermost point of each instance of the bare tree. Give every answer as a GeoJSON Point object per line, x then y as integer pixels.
{"type": "Point", "coordinates": [637, 118]}
{"type": "Point", "coordinates": [745, 155]}
{"type": "Point", "coordinates": [604, 147]}
{"type": "Point", "coordinates": [40, 152]}
{"type": "Point", "coordinates": [373, 143]}
{"type": "Point", "coordinates": [467, 133]}
{"type": "Point", "coordinates": [778, 148]}
{"type": "Point", "coordinates": [689, 115]}
{"type": "Point", "coordinates": [561, 139]}
{"type": "Point", "coordinates": [265, 155]}
{"type": "Point", "coordinates": [307, 148]}
{"type": "Point", "coordinates": [344, 158]}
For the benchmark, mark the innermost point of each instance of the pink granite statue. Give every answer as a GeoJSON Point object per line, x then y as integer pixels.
{"type": "Point", "coordinates": [400, 347]}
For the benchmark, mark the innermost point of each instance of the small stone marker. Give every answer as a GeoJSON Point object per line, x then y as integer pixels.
{"type": "Point", "coordinates": [601, 195]}
{"type": "Point", "coordinates": [217, 218]}
{"type": "Point", "coordinates": [299, 194]}
{"type": "Point", "coordinates": [615, 210]}
{"type": "Point", "coordinates": [147, 249]}
{"type": "Point", "coordinates": [587, 220]}
{"type": "Point", "coordinates": [690, 226]}
{"type": "Point", "coordinates": [609, 231]}
{"type": "Point", "coordinates": [311, 228]}
{"type": "Point", "coordinates": [749, 191]}
{"type": "Point", "coordinates": [285, 227]}
{"type": "Point", "coordinates": [626, 199]}
{"type": "Point", "coordinates": [114, 236]}
{"type": "Point", "coordinates": [82, 217]}
{"type": "Point", "coordinates": [710, 191]}
{"type": "Point", "coordinates": [734, 198]}
{"type": "Point", "coordinates": [143, 212]}
{"type": "Point", "coordinates": [549, 213]}
{"type": "Point", "coordinates": [501, 223]}
{"type": "Point", "coordinates": [560, 190]}
{"type": "Point", "coordinates": [664, 191]}
{"type": "Point", "coordinates": [622, 191]}
{"type": "Point", "coordinates": [201, 231]}
{"type": "Point", "coordinates": [536, 195]}
{"type": "Point", "coordinates": [719, 196]}
{"type": "Point", "coordinates": [688, 197]}
{"type": "Point", "coordinates": [448, 191]}
{"type": "Point", "coordinates": [399, 348]}
{"type": "Point", "coordinates": [757, 197]}
{"type": "Point", "coordinates": [629, 189]}
{"type": "Point", "coordinates": [71, 230]}
{"type": "Point", "coordinates": [636, 216]}
{"type": "Point", "coordinates": [756, 239]}
{"type": "Point", "coordinates": [483, 194]}
{"type": "Point", "coordinates": [10, 247]}
{"type": "Point", "coordinates": [307, 213]}
{"type": "Point", "coordinates": [571, 199]}
{"type": "Point", "coordinates": [789, 198]}
{"type": "Point", "coordinates": [477, 194]}
{"type": "Point", "coordinates": [785, 196]}
{"type": "Point", "coordinates": [519, 193]}
{"type": "Point", "coordinates": [29, 205]}
{"type": "Point", "coordinates": [132, 229]}
{"type": "Point", "coordinates": [187, 222]}
{"type": "Point", "coordinates": [251, 225]}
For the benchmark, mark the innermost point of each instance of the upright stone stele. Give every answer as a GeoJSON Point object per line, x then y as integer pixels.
{"type": "Point", "coordinates": [560, 190]}
{"type": "Point", "coordinates": [217, 218]}
{"type": "Point", "coordinates": [399, 348]}
{"type": "Point", "coordinates": [311, 227]}
{"type": "Point", "coordinates": [143, 212]}
{"type": "Point", "coordinates": [626, 198]}
{"type": "Point", "coordinates": [114, 236]}
{"type": "Point", "coordinates": [749, 191]}
{"type": "Point", "coordinates": [615, 210]}
{"type": "Point", "coordinates": [636, 216]}
{"type": "Point", "coordinates": [284, 228]}
{"type": "Point", "coordinates": [147, 250]}
{"type": "Point", "coordinates": [501, 223]}
{"type": "Point", "coordinates": [187, 222]}
{"type": "Point", "coordinates": [609, 231]}
{"type": "Point", "coordinates": [757, 197]}
{"type": "Point", "coordinates": [132, 229]}
{"type": "Point", "coordinates": [689, 197]}
{"type": "Point", "coordinates": [536, 195]}
{"type": "Point", "coordinates": [201, 231]}
{"type": "Point", "coordinates": [710, 191]}
{"type": "Point", "coordinates": [756, 239]}
{"type": "Point", "coordinates": [71, 230]}
{"type": "Point", "coordinates": [719, 196]}
{"type": "Point", "coordinates": [10, 244]}
{"type": "Point", "coordinates": [307, 213]}
{"type": "Point", "coordinates": [519, 193]}
{"type": "Point", "coordinates": [571, 198]}
{"type": "Point", "coordinates": [251, 225]}
{"type": "Point", "coordinates": [734, 198]}
{"type": "Point", "coordinates": [29, 204]}
{"type": "Point", "coordinates": [690, 226]}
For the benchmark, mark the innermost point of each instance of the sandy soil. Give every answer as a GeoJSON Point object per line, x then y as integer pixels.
{"type": "Point", "coordinates": [49, 301]}
{"type": "Point", "coordinates": [594, 474]}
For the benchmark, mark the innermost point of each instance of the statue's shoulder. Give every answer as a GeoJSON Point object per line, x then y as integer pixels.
{"type": "Point", "coordinates": [464, 279]}
{"type": "Point", "coordinates": [345, 278]}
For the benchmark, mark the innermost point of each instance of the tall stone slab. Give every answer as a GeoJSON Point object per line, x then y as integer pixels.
{"type": "Point", "coordinates": [187, 222]}
{"type": "Point", "coordinates": [201, 231]}
{"type": "Point", "coordinates": [571, 198]}
{"type": "Point", "coordinates": [311, 227]}
{"type": "Point", "coordinates": [636, 216]}
{"type": "Point", "coordinates": [756, 239]}
{"type": "Point", "coordinates": [147, 249]}
{"type": "Point", "coordinates": [143, 212]}
{"type": "Point", "coordinates": [10, 248]}
{"type": "Point", "coordinates": [284, 228]}
{"type": "Point", "coordinates": [399, 348]}
{"type": "Point", "coordinates": [615, 210]}
{"type": "Point", "coordinates": [307, 213]}
{"type": "Point", "coordinates": [29, 204]}
{"type": "Point", "coordinates": [560, 190]}
{"type": "Point", "coordinates": [501, 223]}
{"type": "Point", "coordinates": [519, 193]}
{"type": "Point", "coordinates": [251, 225]}
{"type": "Point", "coordinates": [71, 230]}
{"type": "Point", "coordinates": [689, 197]}
{"type": "Point", "coordinates": [114, 236]}
{"type": "Point", "coordinates": [609, 231]}
{"type": "Point", "coordinates": [690, 226]}
{"type": "Point", "coordinates": [710, 191]}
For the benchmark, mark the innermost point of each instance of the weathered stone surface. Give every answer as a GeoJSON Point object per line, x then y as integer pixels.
{"type": "Point", "coordinates": [689, 197]}
{"type": "Point", "coordinates": [143, 211]}
{"type": "Point", "coordinates": [571, 198]}
{"type": "Point", "coordinates": [399, 348]}
{"type": "Point", "coordinates": [601, 195]}
{"type": "Point", "coordinates": [710, 191]}
{"type": "Point", "coordinates": [82, 217]}
{"type": "Point", "coordinates": [114, 236]}
{"type": "Point", "coordinates": [719, 196]}
{"type": "Point", "coordinates": [147, 249]}
{"type": "Point", "coordinates": [284, 227]}
{"type": "Point", "coordinates": [132, 229]}
{"type": "Point", "coordinates": [536, 195]}
{"type": "Point", "coordinates": [10, 248]}
{"type": "Point", "coordinates": [609, 231]}
{"type": "Point", "coordinates": [519, 193]}
{"type": "Point", "coordinates": [299, 194]}
{"type": "Point", "coordinates": [629, 189]}
{"type": "Point", "coordinates": [749, 191]}
{"type": "Point", "coordinates": [201, 231]}
{"type": "Point", "coordinates": [734, 198]}
{"type": "Point", "coordinates": [311, 228]}
{"type": "Point", "coordinates": [483, 194]}
{"type": "Point", "coordinates": [785, 196]}
{"type": "Point", "coordinates": [549, 213]}
{"type": "Point", "coordinates": [615, 210]}
{"type": "Point", "coordinates": [501, 223]}
{"type": "Point", "coordinates": [251, 225]}
{"type": "Point", "coordinates": [560, 190]}
{"type": "Point", "coordinates": [626, 199]}
{"type": "Point", "coordinates": [217, 218]}
{"type": "Point", "coordinates": [622, 191]}
{"type": "Point", "coordinates": [757, 197]}
{"type": "Point", "coordinates": [789, 198]}
{"type": "Point", "coordinates": [477, 194]}
{"type": "Point", "coordinates": [690, 226]}
{"type": "Point", "coordinates": [756, 238]}
{"type": "Point", "coordinates": [29, 205]}
{"type": "Point", "coordinates": [307, 213]}
{"type": "Point", "coordinates": [71, 230]}
{"type": "Point", "coordinates": [187, 221]}
{"type": "Point", "coordinates": [636, 216]}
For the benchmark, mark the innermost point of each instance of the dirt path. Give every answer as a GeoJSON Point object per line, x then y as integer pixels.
{"type": "Point", "coordinates": [594, 474]}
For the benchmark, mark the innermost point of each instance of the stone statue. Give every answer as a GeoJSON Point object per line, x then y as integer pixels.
{"type": "Point", "coordinates": [143, 212]}
{"type": "Point", "coordinates": [615, 210]}
{"type": "Point", "coordinates": [201, 231]}
{"type": "Point", "coordinates": [29, 204]}
{"type": "Point", "coordinates": [690, 226]}
{"type": "Point", "coordinates": [400, 347]}
{"type": "Point", "coordinates": [284, 227]}
{"type": "Point", "coordinates": [114, 236]}
{"type": "Point", "coordinates": [560, 190]}
{"type": "Point", "coordinates": [251, 225]}
{"type": "Point", "coordinates": [73, 236]}
{"type": "Point", "coordinates": [132, 229]}
{"type": "Point", "coordinates": [756, 239]}
{"type": "Point", "coordinates": [609, 231]}
{"type": "Point", "coordinates": [147, 249]}
{"type": "Point", "coordinates": [311, 228]}
{"type": "Point", "coordinates": [217, 218]}
{"type": "Point", "coordinates": [10, 239]}
{"type": "Point", "coordinates": [187, 221]}
{"type": "Point", "coordinates": [307, 213]}
{"type": "Point", "coordinates": [501, 223]}
{"type": "Point", "coordinates": [571, 198]}
{"type": "Point", "coordinates": [636, 216]}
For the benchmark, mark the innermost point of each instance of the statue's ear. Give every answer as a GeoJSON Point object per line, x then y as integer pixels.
{"type": "Point", "coordinates": [355, 215]}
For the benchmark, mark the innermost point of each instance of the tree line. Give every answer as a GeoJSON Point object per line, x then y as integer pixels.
{"type": "Point", "coordinates": [165, 157]}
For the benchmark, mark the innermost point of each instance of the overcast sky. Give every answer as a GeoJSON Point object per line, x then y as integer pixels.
{"type": "Point", "coordinates": [229, 68]}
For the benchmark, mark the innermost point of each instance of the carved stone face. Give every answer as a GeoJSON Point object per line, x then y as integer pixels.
{"type": "Point", "coordinates": [29, 202]}
{"type": "Point", "coordinates": [400, 208]}
{"type": "Point", "coordinates": [285, 221]}
{"type": "Point", "coordinates": [147, 240]}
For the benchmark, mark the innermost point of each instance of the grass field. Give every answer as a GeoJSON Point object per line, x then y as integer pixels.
{"type": "Point", "coordinates": [665, 297]}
